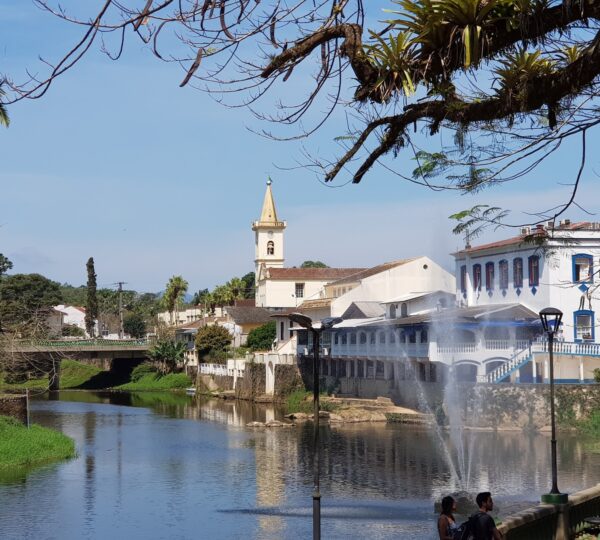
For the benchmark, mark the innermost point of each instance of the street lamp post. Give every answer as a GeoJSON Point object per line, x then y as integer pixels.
{"type": "Point", "coordinates": [306, 322]}
{"type": "Point", "coordinates": [551, 318]}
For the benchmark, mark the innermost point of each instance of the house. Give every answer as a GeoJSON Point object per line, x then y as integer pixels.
{"type": "Point", "coordinates": [55, 320]}
{"type": "Point", "coordinates": [183, 316]}
{"type": "Point", "coordinates": [75, 316]}
{"type": "Point", "coordinates": [241, 319]}
{"type": "Point", "coordinates": [278, 287]}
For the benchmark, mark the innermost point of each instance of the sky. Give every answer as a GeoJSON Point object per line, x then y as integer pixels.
{"type": "Point", "coordinates": [152, 180]}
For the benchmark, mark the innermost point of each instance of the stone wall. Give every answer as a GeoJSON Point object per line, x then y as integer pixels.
{"type": "Point", "coordinates": [501, 406]}
{"type": "Point", "coordinates": [214, 383]}
{"type": "Point", "coordinates": [252, 384]}
{"type": "Point", "coordinates": [287, 379]}
{"type": "Point", "coordinates": [15, 406]}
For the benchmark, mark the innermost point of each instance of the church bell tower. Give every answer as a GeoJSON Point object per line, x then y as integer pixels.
{"type": "Point", "coordinates": [268, 234]}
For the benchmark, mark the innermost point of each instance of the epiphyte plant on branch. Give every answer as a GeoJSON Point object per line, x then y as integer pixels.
{"type": "Point", "coordinates": [511, 78]}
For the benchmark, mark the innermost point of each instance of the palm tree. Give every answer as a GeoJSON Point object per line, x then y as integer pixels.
{"type": "Point", "coordinates": [237, 288]}
{"type": "Point", "coordinates": [167, 354]}
{"type": "Point", "coordinates": [174, 295]}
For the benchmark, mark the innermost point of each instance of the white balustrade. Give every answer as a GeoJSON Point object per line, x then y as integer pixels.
{"type": "Point", "coordinates": [213, 369]}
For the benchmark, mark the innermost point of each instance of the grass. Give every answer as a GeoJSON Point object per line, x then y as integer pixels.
{"type": "Point", "coordinates": [302, 401]}
{"type": "Point", "coordinates": [154, 381]}
{"type": "Point", "coordinates": [22, 447]}
{"type": "Point", "coordinates": [72, 375]}
{"type": "Point", "coordinates": [591, 425]}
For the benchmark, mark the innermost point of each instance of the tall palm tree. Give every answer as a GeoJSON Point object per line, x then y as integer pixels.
{"type": "Point", "coordinates": [174, 295]}
{"type": "Point", "coordinates": [237, 288]}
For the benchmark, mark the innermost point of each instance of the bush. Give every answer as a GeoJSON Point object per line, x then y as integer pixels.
{"type": "Point", "coordinates": [261, 338]}
{"type": "Point", "coordinates": [211, 340]}
{"type": "Point", "coordinates": [72, 330]}
{"type": "Point", "coordinates": [134, 325]}
{"type": "Point", "coordinates": [591, 426]}
{"type": "Point", "coordinates": [142, 370]}
{"type": "Point", "coordinates": [597, 375]}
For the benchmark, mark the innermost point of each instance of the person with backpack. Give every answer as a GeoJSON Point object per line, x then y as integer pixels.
{"type": "Point", "coordinates": [446, 522]}
{"type": "Point", "coordinates": [482, 525]}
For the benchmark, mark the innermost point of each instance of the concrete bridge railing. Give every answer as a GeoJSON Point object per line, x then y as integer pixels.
{"type": "Point", "coordinates": [554, 522]}
{"type": "Point", "coordinates": [55, 345]}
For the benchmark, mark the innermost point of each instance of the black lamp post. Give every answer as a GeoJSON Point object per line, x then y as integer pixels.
{"type": "Point", "coordinates": [306, 322]}
{"type": "Point", "coordinates": [551, 318]}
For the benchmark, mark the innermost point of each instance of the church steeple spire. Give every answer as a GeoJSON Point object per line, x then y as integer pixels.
{"type": "Point", "coordinates": [268, 216]}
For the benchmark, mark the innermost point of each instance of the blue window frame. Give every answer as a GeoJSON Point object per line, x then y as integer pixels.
{"type": "Point", "coordinates": [534, 270]}
{"type": "Point", "coordinates": [584, 325]}
{"type": "Point", "coordinates": [463, 279]}
{"type": "Point", "coordinates": [489, 276]}
{"type": "Point", "coordinates": [518, 272]}
{"type": "Point", "coordinates": [476, 277]}
{"type": "Point", "coordinates": [583, 268]}
{"type": "Point", "coordinates": [503, 274]}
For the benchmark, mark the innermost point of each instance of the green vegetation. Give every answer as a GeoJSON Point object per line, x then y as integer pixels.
{"type": "Point", "coordinates": [591, 425]}
{"type": "Point", "coordinates": [72, 330]}
{"type": "Point", "coordinates": [174, 295]}
{"type": "Point", "coordinates": [134, 325]}
{"type": "Point", "coordinates": [261, 338]}
{"type": "Point", "coordinates": [597, 375]}
{"type": "Point", "coordinates": [22, 447]}
{"type": "Point", "coordinates": [5, 265]}
{"type": "Point", "coordinates": [226, 295]}
{"type": "Point", "coordinates": [302, 401]}
{"type": "Point", "coordinates": [212, 343]}
{"type": "Point", "coordinates": [167, 355]}
{"type": "Point", "coordinates": [155, 381]}
{"type": "Point", "coordinates": [72, 375]}
{"type": "Point", "coordinates": [91, 301]}
{"type": "Point", "coordinates": [313, 264]}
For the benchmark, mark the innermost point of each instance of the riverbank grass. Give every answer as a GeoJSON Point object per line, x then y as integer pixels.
{"type": "Point", "coordinates": [301, 401]}
{"type": "Point", "coordinates": [154, 381]}
{"type": "Point", "coordinates": [73, 374]}
{"type": "Point", "coordinates": [22, 447]}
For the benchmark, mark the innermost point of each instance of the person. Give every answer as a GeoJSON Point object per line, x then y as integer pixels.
{"type": "Point", "coordinates": [484, 527]}
{"type": "Point", "coordinates": [446, 522]}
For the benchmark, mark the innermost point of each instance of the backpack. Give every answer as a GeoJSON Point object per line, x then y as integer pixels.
{"type": "Point", "coordinates": [465, 530]}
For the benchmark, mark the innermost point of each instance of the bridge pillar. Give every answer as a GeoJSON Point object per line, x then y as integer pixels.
{"type": "Point", "coordinates": [54, 376]}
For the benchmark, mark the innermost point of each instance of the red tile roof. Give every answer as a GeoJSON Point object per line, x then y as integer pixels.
{"type": "Point", "coordinates": [311, 274]}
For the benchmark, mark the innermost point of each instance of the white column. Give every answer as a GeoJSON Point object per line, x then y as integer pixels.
{"type": "Point", "coordinates": [581, 369]}
{"type": "Point", "coordinates": [546, 371]}
{"type": "Point", "coordinates": [534, 369]}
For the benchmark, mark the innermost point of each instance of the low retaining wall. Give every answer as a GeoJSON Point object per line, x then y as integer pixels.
{"type": "Point", "coordinates": [287, 379]}
{"type": "Point", "coordinates": [214, 383]}
{"type": "Point", "coordinates": [253, 383]}
{"type": "Point", "coordinates": [15, 406]}
{"type": "Point", "coordinates": [557, 522]}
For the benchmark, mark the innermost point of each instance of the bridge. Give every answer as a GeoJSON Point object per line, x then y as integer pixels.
{"type": "Point", "coordinates": [101, 352]}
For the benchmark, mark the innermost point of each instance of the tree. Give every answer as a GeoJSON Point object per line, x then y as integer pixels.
{"type": "Point", "coordinates": [261, 338]}
{"type": "Point", "coordinates": [134, 325]}
{"type": "Point", "coordinates": [212, 341]}
{"type": "Point", "coordinates": [249, 280]}
{"type": "Point", "coordinates": [507, 81]}
{"type": "Point", "coordinates": [174, 295]}
{"type": "Point", "coordinates": [91, 303]}
{"type": "Point", "coordinates": [72, 330]}
{"type": "Point", "coordinates": [313, 264]}
{"type": "Point", "coordinates": [167, 355]}
{"type": "Point", "coordinates": [199, 298]}
{"type": "Point", "coordinates": [5, 265]}
{"type": "Point", "coordinates": [237, 289]}
{"type": "Point", "coordinates": [4, 119]}
{"type": "Point", "coordinates": [25, 302]}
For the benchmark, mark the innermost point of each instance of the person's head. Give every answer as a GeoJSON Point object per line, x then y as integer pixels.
{"type": "Point", "coordinates": [484, 501]}
{"type": "Point", "coordinates": [448, 505]}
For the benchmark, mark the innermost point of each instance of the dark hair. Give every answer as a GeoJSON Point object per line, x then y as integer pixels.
{"type": "Point", "coordinates": [447, 503]}
{"type": "Point", "coordinates": [482, 497]}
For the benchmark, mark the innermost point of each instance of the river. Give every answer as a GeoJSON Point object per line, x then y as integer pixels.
{"type": "Point", "coordinates": [177, 467]}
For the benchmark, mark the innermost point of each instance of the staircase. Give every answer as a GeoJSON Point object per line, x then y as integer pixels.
{"type": "Point", "coordinates": [516, 362]}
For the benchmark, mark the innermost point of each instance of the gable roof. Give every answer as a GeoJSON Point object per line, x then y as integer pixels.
{"type": "Point", "coordinates": [309, 274]}
{"type": "Point", "coordinates": [363, 310]}
{"type": "Point", "coordinates": [414, 295]}
{"type": "Point", "coordinates": [317, 303]}
{"type": "Point", "coordinates": [367, 272]}
{"type": "Point", "coordinates": [248, 314]}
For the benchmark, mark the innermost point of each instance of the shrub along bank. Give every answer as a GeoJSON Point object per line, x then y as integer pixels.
{"type": "Point", "coordinates": [73, 374]}
{"type": "Point", "coordinates": [146, 378]}
{"type": "Point", "coordinates": [23, 447]}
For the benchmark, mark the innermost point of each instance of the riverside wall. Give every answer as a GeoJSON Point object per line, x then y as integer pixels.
{"type": "Point", "coordinates": [15, 406]}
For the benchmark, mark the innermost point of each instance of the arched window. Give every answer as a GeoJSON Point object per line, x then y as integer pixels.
{"type": "Point", "coordinates": [404, 309]}
{"type": "Point", "coordinates": [363, 338]}
{"type": "Point", "coordinates": [392, 311]}
{"type": "Point", "coordinates": [463, 279]}
{"type": "Point", "coordinates": [270, 247]}
{"type": "Point", "coordinates": [518, 272]}
{"type": "Point", "coordinates": [534, 271]}
{"type": "Point", "coordinates": [489, 276]}
{"type": "Point", "coordinates": [503, 271]}
{"type": "Point", "coordinates": [476, 277]}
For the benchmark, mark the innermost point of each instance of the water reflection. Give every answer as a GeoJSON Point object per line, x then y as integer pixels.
{"type": "Point", "coordinates": [174, 466]}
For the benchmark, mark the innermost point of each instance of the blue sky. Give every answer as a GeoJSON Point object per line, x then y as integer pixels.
{"type": "Point", "coordinates": [119, 163]}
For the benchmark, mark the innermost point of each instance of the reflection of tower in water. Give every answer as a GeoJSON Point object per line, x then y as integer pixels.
{"type": "Point", "coordinates": [273, 449]}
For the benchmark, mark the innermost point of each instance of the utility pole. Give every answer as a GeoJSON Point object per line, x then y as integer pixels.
{"type": "Point", "coordinates": [120, 284]}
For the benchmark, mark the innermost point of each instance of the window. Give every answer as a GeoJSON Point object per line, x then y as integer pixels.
{"type": "Point", "coordinates": [382, 338]}
{"type": "Point", "coordinates": [299, 290]}
{"type": "Point", "coordinates": [423, 336]}
{"type": "Point", "coordinates": [392, 311]}
{"type": "Point", "coordinates": [352, 338]}
{"type": "Point", "coordinates": [489, 276]}
{"type": "Point", "coordinates": [270, 247]}
{"type": "Point", "coordinates": [281, 330]}
{"type": "Point", "coordinates": [534, 270]}
{"type": "Point", "coordinates": [344, 339]}
{"type": "Point", "coordinates": [392, 338]}
{"type": "Point", "coordinates": [476, 277]}
{"type": "Point", "coordinates": [503, 271]}
{"type": "Point", "coordinates": [584, 325]}
{"type": "Point", "coordinates": [404, 310]}
{"type": "Point", "coordinates": [583, 268]}
{"type": "Point", "coordinates": [362, 338]}
{"type": "Point", "coordinates": [518, 272]}
{"type": "Point", "coordinates": [463, 279]}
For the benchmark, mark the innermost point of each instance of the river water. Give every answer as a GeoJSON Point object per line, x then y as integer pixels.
{"type": "Point", "coordinates": [178, 467]}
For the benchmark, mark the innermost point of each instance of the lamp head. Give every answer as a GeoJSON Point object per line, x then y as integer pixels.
{"type": "Point", "coordinates": [328, 322]}
{"type": "Point", "coordinates": [301, 320]}
{"type": "Point", "coordinates": [550, 318]}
